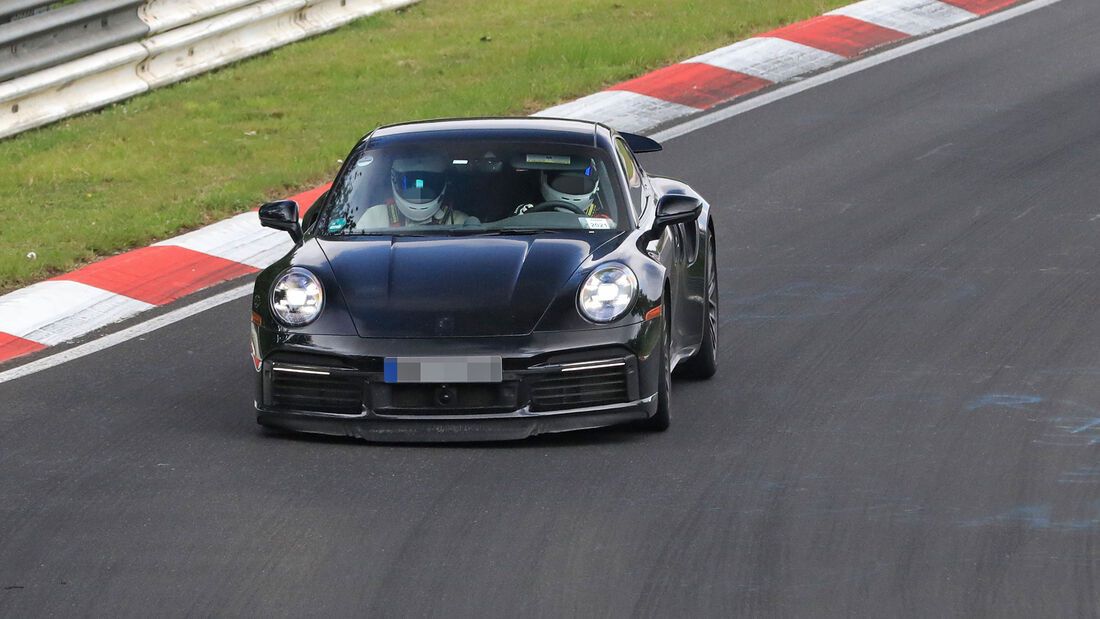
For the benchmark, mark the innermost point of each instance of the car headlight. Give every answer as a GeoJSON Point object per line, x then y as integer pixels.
{"type": "Point", "coordinates": [608, 292]}
{"type": "Point", "coordinates": [297, 297]}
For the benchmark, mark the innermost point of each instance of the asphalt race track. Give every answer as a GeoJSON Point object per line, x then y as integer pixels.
{"type": "Point", "coordinates": [906, 420]}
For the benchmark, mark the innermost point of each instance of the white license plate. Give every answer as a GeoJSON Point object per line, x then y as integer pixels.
{"type": "Point", "coordinates": [443, 370]}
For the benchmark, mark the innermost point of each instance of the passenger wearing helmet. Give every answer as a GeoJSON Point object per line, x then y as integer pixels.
{"type": "Point", "coordinates": [419, 198]}
{"type": "Point", "coordinates": [574, 187]}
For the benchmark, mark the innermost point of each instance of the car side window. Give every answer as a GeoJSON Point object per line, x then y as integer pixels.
{"type": "Point", "coordinates": [633, 175]}
{"type": "Point", "coordinates": [633, 178]}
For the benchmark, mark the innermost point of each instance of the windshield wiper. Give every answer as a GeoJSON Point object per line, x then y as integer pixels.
{"type": "Point", "coordinates": [384, 233]}
{"type": "Point", "coordinates": [499, 231]}
{"type": "Point", "coordinates": [455, 232]}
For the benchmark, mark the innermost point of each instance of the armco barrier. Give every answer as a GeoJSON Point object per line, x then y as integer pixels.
{"type": "Point", "coordinates": [163, 15]}
{"type": "Point", "coordinates": [67, 33]}
{"type": "Point", "coordinates": [194, 49]}
{"type": "Point", "coordinates": [12, 9]}
{"type": "Point", "coordinates": [213, 34]}
{"type": "Point", "coordinates": [328, 14]}
{"type": "Point", "coordinates": [71, 88]}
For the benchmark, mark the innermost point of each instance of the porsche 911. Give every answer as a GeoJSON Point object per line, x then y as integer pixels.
{"type": "Point", "coordinates": [486, 279]}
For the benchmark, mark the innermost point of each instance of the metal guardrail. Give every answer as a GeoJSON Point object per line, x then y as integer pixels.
{"type": "Point", "coordinates": [164, 15]}
{"type": "Point", "coordinates": [17, 9]}
{"type": "Point", "coordinates": [188, 37]}
{"type": "Point", "coordinates": [72, 31]}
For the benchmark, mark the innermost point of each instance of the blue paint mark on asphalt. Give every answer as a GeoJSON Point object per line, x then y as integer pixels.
{"type": "Point", "coordinates": [1080, 371]}
{"type": "Point", "coordinates": [1074, 431]}
{"type": "Point", "coordinates": [1038, 517]}
{"type": "Point", "coordinates": [1092, 423]}
{"type": "Point", "coordinates": [1083, 475]}
{"type": "Point", "coordinates": [917, 397]}
{"type": "Point", "coordinates": [795, 301]}
{"type": "Point", "coordinates": [1077, 425]}
{"type": "Point", "coordinates": [1034, 516]}
{"type": "Point", "coordinates": [1004, 400]}
{"type": "Point", "coordinates": [802, 290]}
{"type": "Point", "coordinates": [802, 300]}
{"type": "Point", "coordinates": [1071, 424]}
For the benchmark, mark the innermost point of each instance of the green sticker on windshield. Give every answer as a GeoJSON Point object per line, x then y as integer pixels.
{"type": "Point", "coordinates": [337, 225]}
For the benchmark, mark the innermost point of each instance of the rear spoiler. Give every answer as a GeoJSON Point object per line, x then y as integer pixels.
{"type": "Point", "coordinates": [640, 143]}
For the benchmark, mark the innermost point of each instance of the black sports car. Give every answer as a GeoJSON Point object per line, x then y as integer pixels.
{"type": "Point", "coordinates": [486, 279]}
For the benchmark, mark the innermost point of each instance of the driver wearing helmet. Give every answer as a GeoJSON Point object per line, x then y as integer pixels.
{"type": "Point", "coordinates": [419, 187]}
{"type": "Point", "coordinates": [576, 188]}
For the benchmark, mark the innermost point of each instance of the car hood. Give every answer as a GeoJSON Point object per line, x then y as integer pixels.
{"type": "Point", "coordinates": [443, 286]}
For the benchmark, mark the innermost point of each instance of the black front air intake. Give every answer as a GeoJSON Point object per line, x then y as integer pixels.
{"type": "Point", "coordinates": [580, 388]}
{"type": "Point", "coordinates": [316, 390]}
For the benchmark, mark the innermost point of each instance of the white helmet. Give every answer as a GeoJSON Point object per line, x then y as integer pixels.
{"type": "Point", "coordinates": [572, 186]}
{"type": "Point", "coordinates": [418, 185]}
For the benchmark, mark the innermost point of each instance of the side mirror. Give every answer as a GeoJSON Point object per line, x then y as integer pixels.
{"type": "Point", "coordinates": [282, 215]}
{"type": "Point", "coordinates": [677, 209]}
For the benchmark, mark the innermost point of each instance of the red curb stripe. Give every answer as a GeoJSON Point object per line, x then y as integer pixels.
{"type": "Point", "coordinates": [981, 7]}
{"type": "Point", "coordinates": [12, 347]}
{"type": "Point", "coordinates": [158, 274]}
{"type": "Point", "coordinates": [839, 34]}
{"type": "Point", "coordinates": [306, 199]}
{"type": "Point", "coordinates": [694, 84]}
{"type": "Point", "coordinates": [161, 274]}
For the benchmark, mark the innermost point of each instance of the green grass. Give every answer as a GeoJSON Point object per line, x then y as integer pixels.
{"type": "Point", "coordinates": [216, 145]}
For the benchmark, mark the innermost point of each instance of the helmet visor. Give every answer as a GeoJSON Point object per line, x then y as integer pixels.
{"type": "Point", "coordinates": [575, 183]}
{"type": "Point", "coordinates": [418, 187]}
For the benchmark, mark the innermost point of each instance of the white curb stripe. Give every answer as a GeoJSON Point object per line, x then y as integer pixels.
{"type": "Point", "coordinates": [716, 116]}
{"type": "Point", "coordinates": [776, 60]}
{"type": "Point", "coordinates": [913, 17]}
{"type": "Point", "coordinates": [57, 311]}
{"type": "Point", "coordinates": [626, 111]}
{"type": "Point", "coordinates": [78, 308]}
{"type": "Point", "coordinates": [126, 334]}
{"type": "Point", "coordinates": [239, 238]}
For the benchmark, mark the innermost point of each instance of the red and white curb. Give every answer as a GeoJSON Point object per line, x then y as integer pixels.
{"type": "Point", "coordinates": [68, 306]}
{"type": "Point", "coordinates": [703, 82]}
{"type": "Point", "coordinates": [72, 305]}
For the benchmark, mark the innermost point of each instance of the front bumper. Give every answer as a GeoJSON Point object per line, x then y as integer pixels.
{"type": "Point", "coordinates": [465, 428]}
{"type": "Point", "coordinates": [552, 382]}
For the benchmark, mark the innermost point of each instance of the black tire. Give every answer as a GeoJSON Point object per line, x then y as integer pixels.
{"type": "Point", "coordinates": [659, 422]}
{"type": "Point", "coordinates": [704, 363]}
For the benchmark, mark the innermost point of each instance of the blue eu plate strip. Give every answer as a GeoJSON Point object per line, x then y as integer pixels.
{"type": "Point", "coordinates": [390, 369]}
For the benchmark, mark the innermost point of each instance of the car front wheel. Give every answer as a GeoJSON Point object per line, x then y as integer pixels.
{"type": "Point", "coordinates": [659, 422]}
{"type": "Point", "coordinates": [704, 363]}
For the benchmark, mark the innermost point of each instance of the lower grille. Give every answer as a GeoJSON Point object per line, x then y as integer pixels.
{"type": "Point", "coordinates": [310, 390]}
{"type": "Point", "coordinates": [580, 388]}
{"type": "Point", "coordinates": [440, 399]}
{"type": "Point", "coordinates": [321, 385]}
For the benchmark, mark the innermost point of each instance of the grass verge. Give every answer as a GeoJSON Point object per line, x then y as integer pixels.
{"type": "Point", "coordinates": [218, 144]}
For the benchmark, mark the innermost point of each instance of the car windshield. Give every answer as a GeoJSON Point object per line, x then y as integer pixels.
{"type": "Point", "coordinates": [473, 187]}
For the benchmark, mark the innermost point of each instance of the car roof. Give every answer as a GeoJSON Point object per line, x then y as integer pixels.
{"type": "Point", "coordinates": [561, 130]}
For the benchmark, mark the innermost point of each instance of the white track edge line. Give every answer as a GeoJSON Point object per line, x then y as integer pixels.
{"type": "Point", "coordinates": [675, 131]}
{"type": "Point", "coordinates": [952, 32]}
{"type": "Point", "coordinates": [126, 334]}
